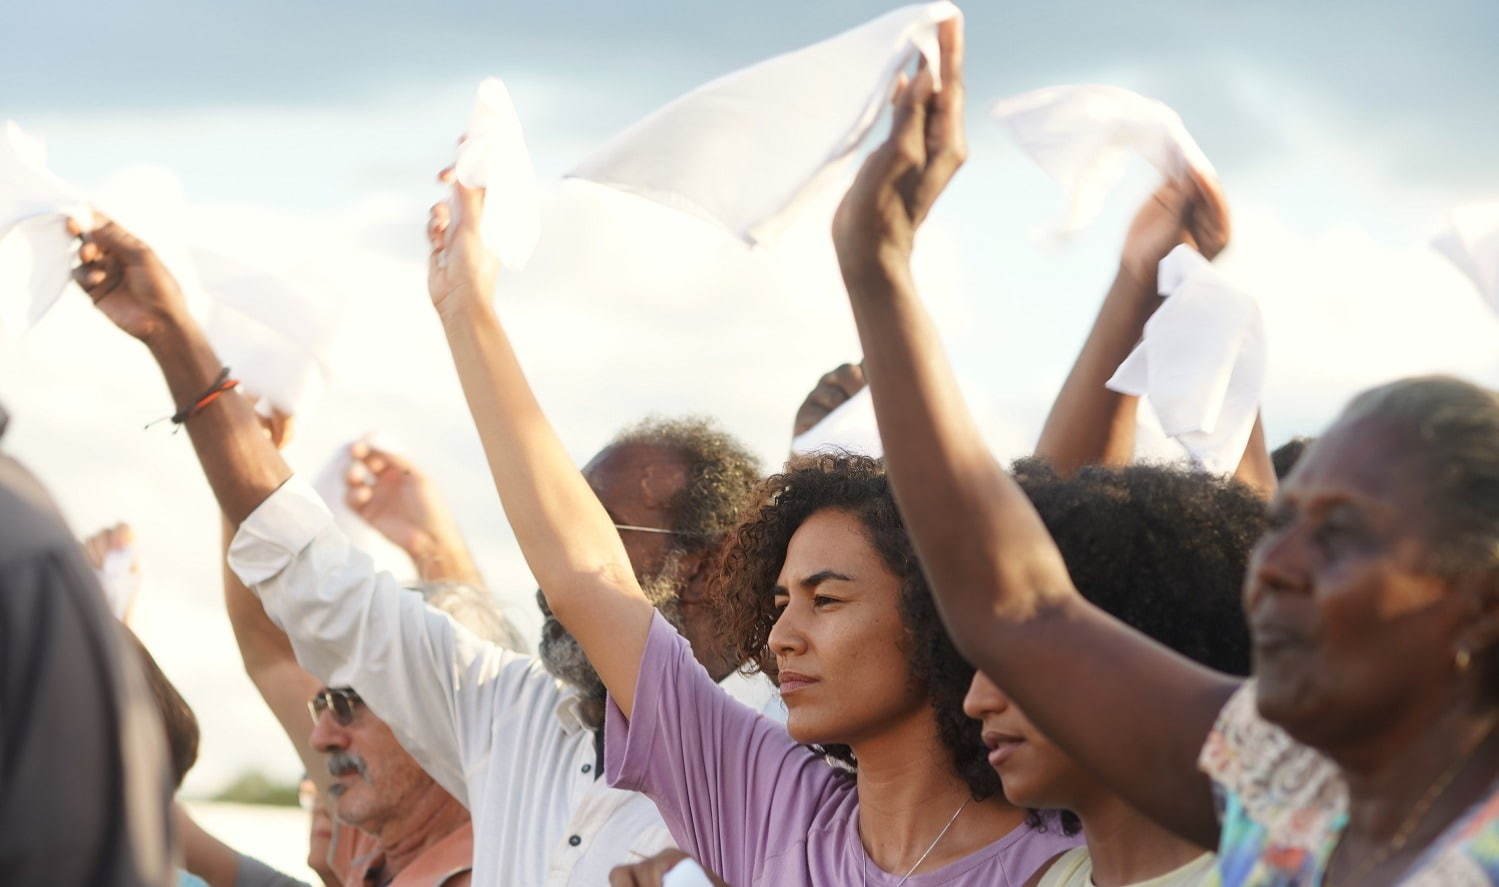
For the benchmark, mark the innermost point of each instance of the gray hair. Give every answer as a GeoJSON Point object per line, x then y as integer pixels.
{"type": "Point", "coordinates": [1455, 425]}
{"type": "Point", "coordinates": [475, 609]}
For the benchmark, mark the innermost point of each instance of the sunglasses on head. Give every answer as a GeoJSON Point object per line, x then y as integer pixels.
{"type": "Point", "coordinates": [339, 700]}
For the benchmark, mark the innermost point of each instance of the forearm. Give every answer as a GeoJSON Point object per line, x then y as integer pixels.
{"type": "Point", "coordinates": [1256, 470]}
{"type": "Point", "coordinates": [261, 643]}
{"type": "Point", "coordinates": [1088, 423]}
{"type": "Point", "coordinates": [567, 538]}
{"type": "Point", "coordinates": [445, 559]}
{"type": "Point", "coordinates": [981, 542]}
{"type": "Point", "coordinates": [242, 466]}
{"type": "Point", "coordinates": [203, 854]}
{"type": "Point", "coordinates": [272, 666]}
{"type": "Point", "coordinates": [1004, 592]}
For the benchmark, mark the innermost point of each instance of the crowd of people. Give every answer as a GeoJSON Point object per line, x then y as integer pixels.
{"type": "Point", "coordinates": [925, 668]}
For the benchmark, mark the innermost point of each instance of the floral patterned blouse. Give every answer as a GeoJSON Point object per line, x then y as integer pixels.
{"type": "Point", "coordinates": [1283, 806]}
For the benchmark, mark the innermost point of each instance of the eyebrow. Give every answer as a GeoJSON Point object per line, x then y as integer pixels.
{"type": "Point", "coordinates": [812, 581]}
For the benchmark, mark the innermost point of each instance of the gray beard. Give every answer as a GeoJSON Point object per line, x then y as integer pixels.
{"type": "Point", "coordinates": [563, 657]}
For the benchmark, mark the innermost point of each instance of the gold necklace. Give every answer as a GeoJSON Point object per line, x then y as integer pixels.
{"type": "Point", "coordinates": [1418, 811]}
{"type": "Point", "coordinates": [864, 868]}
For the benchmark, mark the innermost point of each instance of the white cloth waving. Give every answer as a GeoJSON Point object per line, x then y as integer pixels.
{"type": "Point", "coordinates": [36, 251]}
{"type": "Point", "coordinates": [1471, 242]}
{"type": "Point", "coordinates": [493, 155]}
{"type": "Point", "coordinates": [1083, 137]}
{"type": "Point", "coordinates": [275, 332]}
{"type": "Point", "coordinates": [1201, 363]}
{"type": "Point", "coordinates": [746, 150]}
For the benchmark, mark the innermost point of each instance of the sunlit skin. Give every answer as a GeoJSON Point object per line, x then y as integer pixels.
{"type": "Point", "coordinates": [391, 797]}
{"type": "Point", "coordinates": [838, 627]}
{"type": "Point", "coordinates": [1339, 581]}
{"type": "Point", "coordinates": [839, 644]}
{"type": "Point", "coordinates": [1124, 845]}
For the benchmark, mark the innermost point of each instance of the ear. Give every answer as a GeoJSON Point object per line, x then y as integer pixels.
{"type": "Point", "coordinates": [660, 482]}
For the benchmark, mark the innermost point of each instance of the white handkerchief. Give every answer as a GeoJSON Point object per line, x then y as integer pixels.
{"type": "Point", "coordinates": [1471, 242]}
{"type": "Point", "coordinates": [330, 485]}
{"type": "Point", "coordinates": [746, 150]}
{"type": "Point", "coordinates": [493, 155]}
{"type": "Point", "coordinates": [120, 580]}
{"type": "Point", "coordinates": [274, 334]}
{"type": "Point", "coordinates": [850, 426]}
{"type": "Point", "coordinates": [686, 873]}
{"type": "Point", "coordinates": [1201, 363]}
{"type": "Point", "coordinates": [1083, 136]}
{"type": "Point", "coordinates": [150, 202]}
{"type": "Point", "coordinates": [36, 251]}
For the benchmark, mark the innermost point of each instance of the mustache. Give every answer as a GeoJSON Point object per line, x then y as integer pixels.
{"type": "Point", "coordinates": [342, 762]}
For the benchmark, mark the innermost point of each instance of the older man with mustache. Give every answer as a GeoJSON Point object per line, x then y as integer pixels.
{"type": "Point", "coordinates": [393, 823]}
{"type": "Point", "coordinates": [491, 726]}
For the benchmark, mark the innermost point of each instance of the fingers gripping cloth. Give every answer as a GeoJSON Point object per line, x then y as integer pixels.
{"type": "Point", "coordinates": [1201, 363]}
{"type": "Point", "coordinates": [750, 149]}
{"type": "Point", "coordinates": [1083, 137]}
{"type": "Point", "coordinates": [36, 250]}
{"type": "Point", "coordinates": [493, 155]}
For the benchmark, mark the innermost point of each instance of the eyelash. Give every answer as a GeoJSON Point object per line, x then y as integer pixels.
{"type": "Point", "coordinates": [777, 606]}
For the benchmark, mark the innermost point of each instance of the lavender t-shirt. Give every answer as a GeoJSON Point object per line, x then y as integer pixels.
{"type": "Point", "coordinates": [754, 805]}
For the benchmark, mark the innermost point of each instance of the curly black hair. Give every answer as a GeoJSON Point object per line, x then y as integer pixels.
{"type": "Point", "coordinates": [722, 474]}
{"type": "Point", "coordinates": [1161, 548]}
{"type": "Point", "coordinates": [751, 561]}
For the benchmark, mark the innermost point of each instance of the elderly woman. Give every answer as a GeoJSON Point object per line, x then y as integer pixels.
{"type": "Point", "coordinates": [1363, 750]}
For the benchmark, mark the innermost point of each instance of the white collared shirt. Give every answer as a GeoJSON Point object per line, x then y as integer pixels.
{"type": "Point", "coordinates": [489, 724]}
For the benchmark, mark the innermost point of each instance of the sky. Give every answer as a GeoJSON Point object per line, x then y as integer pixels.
{"type": "Point", "coordinates": [306, 137]}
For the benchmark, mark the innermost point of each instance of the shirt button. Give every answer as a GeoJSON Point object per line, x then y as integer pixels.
{"type": "Point", "coordinates": [587, 768]}
{"type": "Point", "coordinates": [575, 840]}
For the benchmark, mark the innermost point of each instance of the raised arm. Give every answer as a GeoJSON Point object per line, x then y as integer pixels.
{"type": "Point", "coordinates": [437, 686]}
{"type": "Point", "coordinates": [567, 538]}
{"type": "Point", "coordinates": [266, 650]}
{"type": "Point", "coordinates": [134, 290]}
{"type": "Point", "coordinates": [1090, 424]}
{"type": "Point", "coordinates": [392, 495]}
{"type": "Point", "coordinates": [1130, 710]}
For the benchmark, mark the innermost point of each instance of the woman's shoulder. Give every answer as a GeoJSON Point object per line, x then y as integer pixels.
{"type": "Point", "coordinates": [1294, 792]}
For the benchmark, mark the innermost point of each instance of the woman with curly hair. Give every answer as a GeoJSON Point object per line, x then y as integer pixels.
{"type": "Point", "coordinates": [820, 588]}
{"type": "Point", "coordinates": [1162, 549]}
{"type": "Point", "coordinates": [1365, 748]}
{"type": "Point", "coordinates": [755, 805]}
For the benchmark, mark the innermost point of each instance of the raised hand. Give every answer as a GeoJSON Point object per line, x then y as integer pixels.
{"type": "Point", "coordinates": [111, 552]}
{"type": "Point", "coordinates": [832, 391]}
{"type": "Point", "coordinates": [1190, 210]}
{"type": "Point", "coordinates": [392, 496]}
{"type": "Point", "coordinates": [126, 280]}
{"type": "Point", "coordinates": [901, 179]}
{"type": "Point", "coordinates": [460, 270]}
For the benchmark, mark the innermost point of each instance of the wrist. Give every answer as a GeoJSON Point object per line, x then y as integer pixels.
{"type": "Point", "coordinates": [876, 271]}
{"type": "Point", "coordinates": [463, 307]}
{"type": "Point", "coordinates": [172, 332]}
{"type": "Point", "coordinates": [1137, 279]}
{"type": "Point", "coordinates": [436, 562]}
